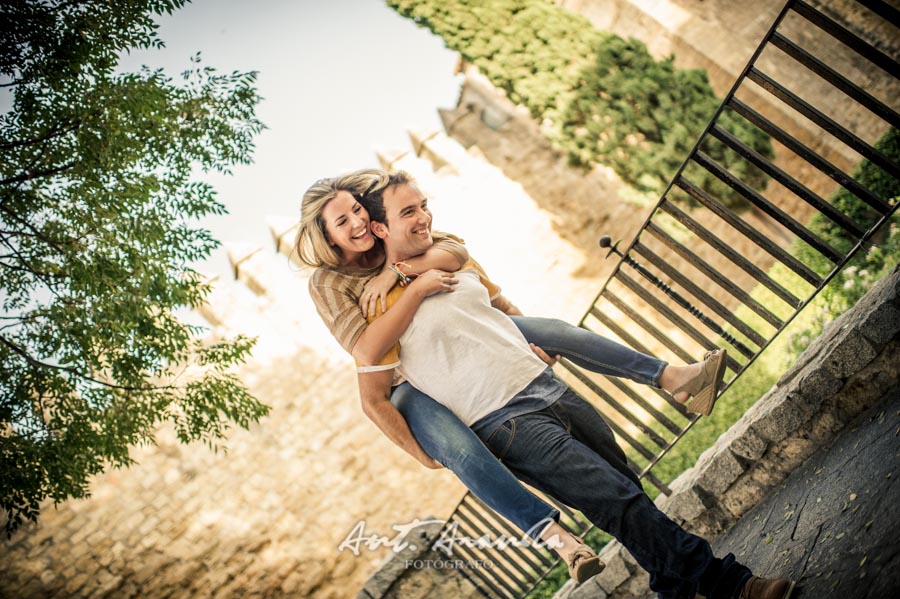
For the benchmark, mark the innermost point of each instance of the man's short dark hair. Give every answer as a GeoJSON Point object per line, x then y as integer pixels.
{"type": "Point", "coordinates": [373, 199]}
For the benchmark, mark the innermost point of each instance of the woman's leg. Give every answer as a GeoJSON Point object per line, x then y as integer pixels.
{"type": "Point", "coordinates": [604, 356]}
{"type": "Point", "coordinates": [444, 437]}
{"type": "Point", "coordinates": [590, 350]}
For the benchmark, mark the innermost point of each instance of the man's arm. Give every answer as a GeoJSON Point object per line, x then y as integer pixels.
{"type": "Point", "coordinates": [375, 393]}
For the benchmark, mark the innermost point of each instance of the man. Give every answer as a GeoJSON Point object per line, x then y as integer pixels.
{"type": "Point", "coordinates": [470, 357]}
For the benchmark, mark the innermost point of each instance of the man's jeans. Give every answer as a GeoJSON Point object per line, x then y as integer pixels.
{"type": "Point", "coordinates": [568, 451]}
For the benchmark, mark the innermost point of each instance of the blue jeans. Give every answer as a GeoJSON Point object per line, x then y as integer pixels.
{"type": "Point", "coordinates": [446, 439]}
{"type": "Point", "coordinates": [568, 451]}
{"type": "Point", "coordinates": [590, 350]}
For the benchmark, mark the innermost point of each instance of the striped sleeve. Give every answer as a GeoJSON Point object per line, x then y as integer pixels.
{"type": "Point", "coordinates": [452, 244]}
{"type": "Point", "coordinates": [337, 307]}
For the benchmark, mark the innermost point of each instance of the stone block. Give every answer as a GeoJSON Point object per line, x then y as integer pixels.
{"type": "Point", "coordinates": [850, 354]}
{"type": "Point", "coordinates": [395, 565]}
{"type": "Point", "coordinates": [616, 571]}
{"type": "Point", "coordinates": [630, 561]}
{"type": "Point", "coordinates": [887, 290]}
{"type": "Point", "coordinates": [768, 473]}
{"type": "Point", "coordinates": [456, 587]}
{"type": "Point", "coordinates": [712, 522]}
{"type": "Point", "coordinates": [687, 504]}
{"type": "Point", "coordinates": [748, 446]}
{"type": "Point", "coordinates": [791, 453]}
{"type": "Point", "coordinates": [107, 583]}
{"type": "Point", "coordinates": [882, 324]}
{"type": "Point", "coordinates": [865, 387]}
{"type": "Point", "coordinates": [637, 586]}
{"type": "Point", "coordinates": [590, 589]}
{"type": "Point", "coordinates": [816, 385]}
{"type": "Point", "coordinates": [825, 426]}
{"type": "Point", "coordinates": [743, 496]}
{"type": "Point", "coordinates": [76, 583]}
{"type": "Point", "coordinates": [719, 472]}
{"type": "Point", "coordinates": [779, 417]}
{"type": "Point", "coordinates": [418, 584]}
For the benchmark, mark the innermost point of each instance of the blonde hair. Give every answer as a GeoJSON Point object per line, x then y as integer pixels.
{"type": "Point", "coordinates": [312, 246]}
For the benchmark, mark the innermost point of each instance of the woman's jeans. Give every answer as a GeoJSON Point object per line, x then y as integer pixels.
{"type": "Point", "coordinates": [446, 439]}
{"type": "Point", "coordinates": [590, 350]}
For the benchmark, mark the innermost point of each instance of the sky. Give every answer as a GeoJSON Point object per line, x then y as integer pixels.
{"type": "Point", "coordinates": [338, 78]}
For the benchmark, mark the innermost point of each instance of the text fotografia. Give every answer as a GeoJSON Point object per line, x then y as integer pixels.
{"type": "Point", "coordinates": [449, 564]}
{"type": "Point", "coordinates": [358, 538]}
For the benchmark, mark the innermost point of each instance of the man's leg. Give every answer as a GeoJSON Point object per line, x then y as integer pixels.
{"type": "Point", "coordinates": [541, 450]}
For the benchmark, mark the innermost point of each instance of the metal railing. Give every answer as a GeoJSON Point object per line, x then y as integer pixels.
{"type": "Point", "coordinates": [684, 285]}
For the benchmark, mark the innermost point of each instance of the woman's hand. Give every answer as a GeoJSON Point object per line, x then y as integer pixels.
{"type": "Point", "coordinates": [375, 290]}
{"type": "Point", "coordinates": [434, 281]}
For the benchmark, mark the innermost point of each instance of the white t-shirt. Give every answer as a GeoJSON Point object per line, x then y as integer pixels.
{"type": "Point", "coordinates": [464, 353]}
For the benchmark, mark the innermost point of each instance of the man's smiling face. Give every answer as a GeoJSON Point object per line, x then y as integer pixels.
{"type": "Point", "coordinates": [407, 231]}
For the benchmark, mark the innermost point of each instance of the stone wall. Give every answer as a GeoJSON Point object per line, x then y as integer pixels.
{"type": "Point", "coordinates": [847, 369]}
{"type": "Point", "coordinates": [418, 572]}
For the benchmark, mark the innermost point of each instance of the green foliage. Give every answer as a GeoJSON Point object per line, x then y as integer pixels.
{"type": "Point", "coordinates": [851, 283]}
{"type": "Point", "coordinates": [602, 99]}
{"type": "Point", "coordinates": [98, 211]}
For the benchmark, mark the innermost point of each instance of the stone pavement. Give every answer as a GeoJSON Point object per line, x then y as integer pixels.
{"type": "Point", "coordinates": [833, 524]}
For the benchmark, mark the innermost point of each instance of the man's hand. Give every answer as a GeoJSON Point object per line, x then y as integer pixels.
{"type": "Point", "coordinates": [543, 355]}
{"type": "Point", "coordinates": [430, 462]}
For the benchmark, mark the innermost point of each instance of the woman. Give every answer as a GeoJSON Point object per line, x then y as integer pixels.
{"type": "Point", "coordinates": [334, 237]}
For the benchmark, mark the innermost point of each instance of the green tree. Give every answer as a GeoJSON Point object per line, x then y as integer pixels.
{"type": "Point", "coordinates": [99, 204]}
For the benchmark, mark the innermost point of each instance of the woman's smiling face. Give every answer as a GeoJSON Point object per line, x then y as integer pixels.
{"type": "Point", "coordinates": [347, 225]}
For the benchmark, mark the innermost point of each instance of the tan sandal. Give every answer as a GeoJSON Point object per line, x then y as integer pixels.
{"type": "Point", "coordinates": [704, 388]}
{"type": "Point", "coordinates": [584, 563]}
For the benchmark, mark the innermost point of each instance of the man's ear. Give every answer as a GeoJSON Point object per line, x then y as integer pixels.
{"type": "Point", "coordinates": [379, 229]}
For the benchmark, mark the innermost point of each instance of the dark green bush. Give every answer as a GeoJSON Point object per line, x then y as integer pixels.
{"type": "Point", "coordinates": [601, 98]}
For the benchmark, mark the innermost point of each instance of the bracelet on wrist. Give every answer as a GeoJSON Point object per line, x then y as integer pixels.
{"type": "Point", "coordinates": [404, 280]}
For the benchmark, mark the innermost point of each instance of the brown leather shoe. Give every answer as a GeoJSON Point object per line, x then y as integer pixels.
{"type": "Point", "coordinates": [584, 563]}
{"type": "Point", "coordinates": [767, 588]}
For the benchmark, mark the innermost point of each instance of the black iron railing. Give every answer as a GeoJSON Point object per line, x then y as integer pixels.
{"type": "Point", "coordinates": [687, 282]}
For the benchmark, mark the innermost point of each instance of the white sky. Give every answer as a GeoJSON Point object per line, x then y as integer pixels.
{"type": "Point", "coordinates": [337, 77]}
